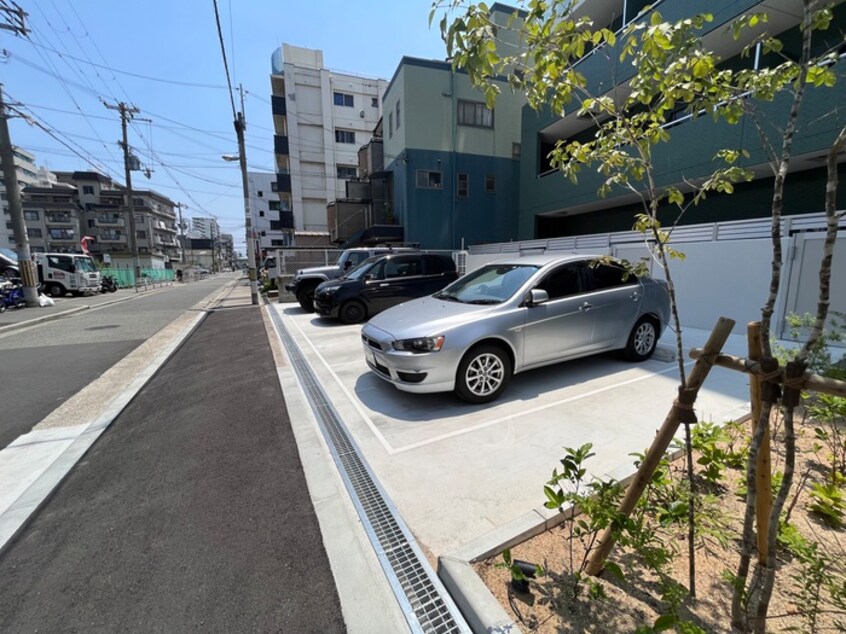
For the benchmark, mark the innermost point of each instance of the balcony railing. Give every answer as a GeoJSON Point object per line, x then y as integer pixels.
{"type": "Point", "coordinates": [58, 219]}
{"type": "Point", "coordinates": [109, 221]}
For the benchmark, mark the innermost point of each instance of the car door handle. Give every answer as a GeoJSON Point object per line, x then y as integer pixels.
{"type": "Point", "coordinates": [635, 296]}
{"type": "Point", "coordinates": [384, 284]}
{"type": "Point", "coordinates": [585, 307]}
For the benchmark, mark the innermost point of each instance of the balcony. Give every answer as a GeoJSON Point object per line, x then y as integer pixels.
{"type": "Point", "coordinates": [280, 144]}
{"type": "Point", "coordinates": [283, 182]}
{"type": "Point", "coordinates": [111, 237]}
{"type": "Point", "coordinates": [58, 219]}
{"type": "Point", "coordinates": [286, 219]}
{"type": "Point", "coordinates": [278, 105]}
{"type": "Point", "coordinates": [109, 221]}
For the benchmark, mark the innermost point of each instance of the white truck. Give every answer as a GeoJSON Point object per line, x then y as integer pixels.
{"type": "Point", "coordinates": [62, 273]}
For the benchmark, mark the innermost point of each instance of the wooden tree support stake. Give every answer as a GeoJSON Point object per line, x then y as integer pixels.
{"type": "Point", "coordinates": [681, 408]}
{"type": "Point", "coordinates": [763, 474]}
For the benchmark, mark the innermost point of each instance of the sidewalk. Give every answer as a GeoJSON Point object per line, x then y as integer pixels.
{"type": "Point", "coordinates": [190, 512]}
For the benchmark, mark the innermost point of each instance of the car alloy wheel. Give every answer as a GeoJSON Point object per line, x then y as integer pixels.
{"type": "Point", "coordinates": [483, 374]}
{"type": "Point", "coordinates": [643, 340]}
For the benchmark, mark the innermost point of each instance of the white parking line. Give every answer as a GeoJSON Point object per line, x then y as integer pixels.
{"type": "Point", "coordinates": [355, 402]}
{"type": "Point", "coordinates": [464, 430]}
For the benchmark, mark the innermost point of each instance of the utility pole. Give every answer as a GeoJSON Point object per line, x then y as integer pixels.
{"type": "Point", "coordinates": [13, 195]}
{"type": "Point", "coordinates": [181, 235]}
{"type": "Point", "coordinates": [240, 127]}
{"type": "Point", "coordinates": [126, 112]}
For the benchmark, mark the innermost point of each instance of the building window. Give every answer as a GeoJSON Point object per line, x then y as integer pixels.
{"type": "Point", "coordinates": [374, 101]}
{"type": "Point", "coordinates": [345, 172]}
{"type": "Point", "coordinates": [261, 194]}
{"type": "Point", "coordinates": [344, 136]}
{"type": "Point", "coordinates": [274, 205]}
{"type": "Point", "coordinates": [31, 215]}
{"type": "Point", "coordinates": [62, 234]}
{"type": "Point", "coordinates": [427, 179]}
{"type": "Point", "coordinates": [261, 214]}
{"type": "Point", "coordinates": [33, 232]}
{"type": "Point", "coordinates": [516, 150]}
{"type": "Point", "coordinates": [343, 99]}
{"type": "Point", "coordinates": [92, 223]}
{"type": "Point", "coordinates": [391, 125]}
{"type": "Point", "coordinates": [142, 235]}
{"type": "Point", "coordinates": [398, 114]}
{"type": "Point", "coordinates": [462, 187]}
{"type": "Point", "coordinates": [490, 184]}
{"type": "Point", "coordinates": [475, 113]}
{"type": "Point", "coordinates": [88, 189]}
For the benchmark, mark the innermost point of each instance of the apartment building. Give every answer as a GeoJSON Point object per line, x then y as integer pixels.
{"type": "Point", "coordinates": [272, 216]}
{"type": "Point", "coordinates": [320, 118]}
{"type": "Point", "coordinates": [552, 206]}
{"type": "Point", "coordinates": [90, 204]}
{"type": "Point", "coordinates": [205, 227]}
{"type": "Point", "coordinates": [453, 162]}
{"type": "Point", "coordinates": [28, 174]}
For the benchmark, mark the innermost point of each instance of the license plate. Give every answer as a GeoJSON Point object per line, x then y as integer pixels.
{"type": "Point", "coordinates": [371, 358]}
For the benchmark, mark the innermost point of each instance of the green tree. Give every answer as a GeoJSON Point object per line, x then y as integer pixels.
{"type": "Point", "coordinates": [673, 73]}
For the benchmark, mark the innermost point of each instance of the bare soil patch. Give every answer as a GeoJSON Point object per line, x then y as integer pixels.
{"type": "Point", "coordinates": [636, 601]}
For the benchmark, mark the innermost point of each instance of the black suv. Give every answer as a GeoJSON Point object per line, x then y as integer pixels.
{"type": "Point", "coordinates": [381, 282]}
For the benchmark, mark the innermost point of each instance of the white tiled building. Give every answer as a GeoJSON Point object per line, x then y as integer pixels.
{"type": "Point", "coordinates": [321, 118]}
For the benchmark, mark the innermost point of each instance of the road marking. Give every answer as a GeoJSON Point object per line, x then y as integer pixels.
{"type": "Point", "coordinates": [355, 402]}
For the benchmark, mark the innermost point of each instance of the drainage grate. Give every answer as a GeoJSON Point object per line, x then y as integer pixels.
{"type": "Point", "coordinates": [425, 602]}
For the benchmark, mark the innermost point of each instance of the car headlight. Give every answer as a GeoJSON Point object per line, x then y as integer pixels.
{"type": "Point", "coordinates": [330, 290]}
{"type": "Point", "coordinates": [420, 344]}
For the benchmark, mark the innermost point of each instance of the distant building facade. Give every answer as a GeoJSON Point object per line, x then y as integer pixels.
{"type": "Point", "coordinates": [320, 118]}
{"type": "Point", "coordinates": [28, 174]}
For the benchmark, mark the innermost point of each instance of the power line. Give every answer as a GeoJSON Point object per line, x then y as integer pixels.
{"type": "Point", "coordinates": [173, 82]}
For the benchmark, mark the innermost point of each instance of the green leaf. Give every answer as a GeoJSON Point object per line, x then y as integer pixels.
{"type": "Point", "coordinates": [665, 622]}
{"type": "Point", "coordinates": [615, 570]}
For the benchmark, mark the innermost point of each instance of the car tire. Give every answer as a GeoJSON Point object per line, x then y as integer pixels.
{"type": "Point", "coordinates": [305, 297]}
{"type": "Point", "coordinates": [483, 374]}
{"type": "Point", "coordinates": [643, 340]}
{"type": "Point", "coordinates": [56, 290]}
{"type": "Point", "coordinates": [352, 312]}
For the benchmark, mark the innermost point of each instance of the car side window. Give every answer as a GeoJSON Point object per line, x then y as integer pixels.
{"type": "Point", "coordinates": [357, 257]}
{"type": "Point", "coordinates": [61, 262]}
{"type": "Point", "coordinates": [563, 282]}
{"type": "Point", "coordinates": [404, 266]}
{"type": "Point", "coordinates": [610, 276]}
{"type": "Point", "coordinates": [436, 265]}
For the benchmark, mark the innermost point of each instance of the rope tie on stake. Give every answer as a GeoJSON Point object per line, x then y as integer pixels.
{"type": "Point", "coordinates": [794, 379]}
{"type": "Point", "coordinates": [683, 405]}
{"type": "Point", "coordinates": [770, 370]}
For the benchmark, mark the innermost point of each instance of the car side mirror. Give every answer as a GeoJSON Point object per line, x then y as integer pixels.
{"type": "Point", "coordinates": [347, 264]}
{"type": "Point", "coordinates": [368, 277]}
{"type": "Point", "coordinates": [536, 297]}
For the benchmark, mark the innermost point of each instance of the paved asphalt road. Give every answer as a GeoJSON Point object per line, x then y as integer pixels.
{"type": "Point", "coordinates": [190, 513]}
{"type": "Point", "coordinates": [42, 366]}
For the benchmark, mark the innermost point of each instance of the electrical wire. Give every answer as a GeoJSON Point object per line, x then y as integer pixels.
{"type": "Point", "coordinates": [172, 82]}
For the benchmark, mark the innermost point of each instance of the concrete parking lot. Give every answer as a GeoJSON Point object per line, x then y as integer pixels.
{"type": "Point", "coordinates": [457, 471]}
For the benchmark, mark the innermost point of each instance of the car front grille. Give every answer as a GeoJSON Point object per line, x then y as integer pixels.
{"type": "Point", "coordinates": [378, 367]}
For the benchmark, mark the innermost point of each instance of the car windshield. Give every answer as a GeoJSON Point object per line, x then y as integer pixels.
{"type": "Point", "coordinates": [365, 268]}
{"type": "Point", "coordinates": [85, 264]}
{"type": "Point", "coordinates": [491, 284]}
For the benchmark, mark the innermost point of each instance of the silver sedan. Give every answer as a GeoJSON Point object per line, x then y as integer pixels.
{"type": "Point", "coordinates": [515, 315]}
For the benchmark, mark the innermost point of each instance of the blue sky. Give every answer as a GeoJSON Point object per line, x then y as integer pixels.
{"type": "Point", "coordinates": [191, 120]}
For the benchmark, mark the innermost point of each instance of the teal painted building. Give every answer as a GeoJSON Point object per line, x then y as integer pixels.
{"type": "Point", "coordinates": [550, 205]}
{"type": "Point", "coordinates": [453, 163]}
